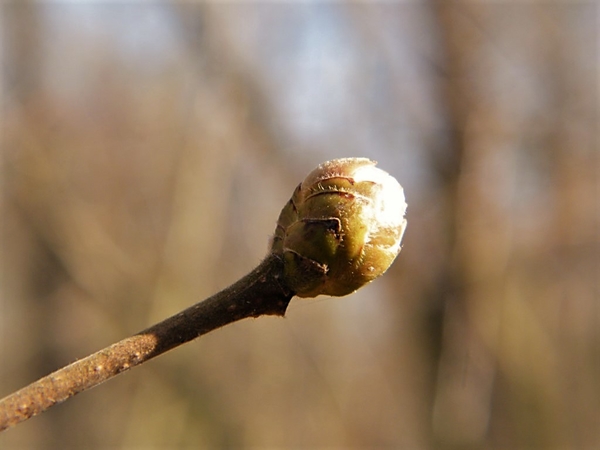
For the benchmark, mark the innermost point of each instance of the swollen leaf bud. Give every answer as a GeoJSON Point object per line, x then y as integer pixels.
{"type": "Point", "coordinates": [341, 229]}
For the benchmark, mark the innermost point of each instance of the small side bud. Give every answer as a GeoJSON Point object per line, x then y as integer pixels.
{"type": "Point", "coordinates": [341, 229]}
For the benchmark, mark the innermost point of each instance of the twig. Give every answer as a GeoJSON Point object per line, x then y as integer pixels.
{"type": "Point", "coordinates": [261, 292]}
{"type": "Point", "coordinates": [341, 229]}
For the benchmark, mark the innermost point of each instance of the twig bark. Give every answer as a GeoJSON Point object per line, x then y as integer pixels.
{"type": "Point", "coordinates": [261, 292]}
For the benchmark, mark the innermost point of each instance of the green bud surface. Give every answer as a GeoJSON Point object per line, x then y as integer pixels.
{"type": "Point", "coordinates": [341, 229]}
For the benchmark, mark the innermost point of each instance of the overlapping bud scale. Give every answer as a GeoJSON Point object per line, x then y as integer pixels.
{"type": "Point", "coordinates": [341, 229]}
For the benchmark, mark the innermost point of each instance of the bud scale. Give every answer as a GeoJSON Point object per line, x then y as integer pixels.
{"type": "Point", "coordinates": [341, 229]}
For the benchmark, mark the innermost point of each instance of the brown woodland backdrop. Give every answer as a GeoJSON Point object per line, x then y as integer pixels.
{"type": "Point", "coordinates": [147, 148]}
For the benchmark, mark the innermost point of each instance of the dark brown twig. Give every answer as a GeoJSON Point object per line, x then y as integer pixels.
{"type": "Point", "coordinates": [261, 292]}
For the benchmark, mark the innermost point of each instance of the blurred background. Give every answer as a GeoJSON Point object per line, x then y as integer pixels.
{"type": "Point", "coordinates": [147, 149]}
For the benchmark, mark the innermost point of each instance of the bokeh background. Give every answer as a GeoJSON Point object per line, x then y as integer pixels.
{"type": "Point", "coordinates": [147, 149]}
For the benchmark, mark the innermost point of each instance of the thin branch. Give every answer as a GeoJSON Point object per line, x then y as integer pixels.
{"type": "Point", "coordinates": [261, 292]}
{"type": "Point", "coordinates": [341, 229]}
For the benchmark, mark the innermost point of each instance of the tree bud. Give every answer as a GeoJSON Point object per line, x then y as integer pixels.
{"type": "Point", "coordinates": [341, 229]}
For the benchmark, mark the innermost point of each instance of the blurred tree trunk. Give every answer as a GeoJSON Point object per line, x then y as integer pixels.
{"type": "Point", "coordinates": [33, 270]}
{"type": "Point", "coordinates": [465, 371]}
{"type": "Point", "coordinates": [497, 377]}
